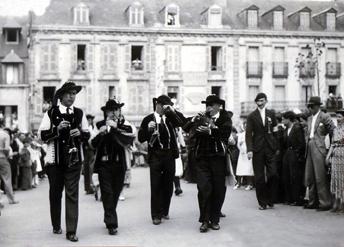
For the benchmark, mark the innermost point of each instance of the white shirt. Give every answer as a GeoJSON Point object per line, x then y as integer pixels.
{"type": "Point", "coordinates": [216, 116]}
{"type": "Point", "coordinates": [63, 109]}
{"type": "Point", "coordinates": [289, 129]}
{"type": "Point", "coordinates": [262, 114]}
{"type": "Point", "coordinates": [314, 119]}
{"type": "Point", "coordinates": [157, 118]}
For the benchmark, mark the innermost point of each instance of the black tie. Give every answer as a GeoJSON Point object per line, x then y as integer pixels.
{"type": "Point", "coordinates": [68, 110]}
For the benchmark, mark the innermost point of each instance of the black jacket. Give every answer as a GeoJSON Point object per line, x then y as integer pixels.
{"type": "Point", "coordinates": [295, 141]}
{"type": "Point", "coordinates": [258, 135]}
{"type": "Point", "coordinates": [213, 144]}
{"type": "Point", "coordinates": [173, 120]}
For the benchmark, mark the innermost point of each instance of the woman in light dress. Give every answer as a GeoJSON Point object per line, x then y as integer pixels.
{"type": "Point", "coordinates": [244, 168]}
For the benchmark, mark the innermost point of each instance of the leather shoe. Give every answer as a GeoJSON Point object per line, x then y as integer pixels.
{"type": "Point", "coordinates": [262, 207]}
{"type": "Point", "coordinates": [112, 231]}
{"type": "Point", "coordinates": [215, 226]}
{"type": "Point", "coordinates": [72, 237]}
{"type": "Point", "coordinates": [166, 217]}
{"type": "Point", "coordinates": [57, 231]}
{"type": "Point", "coordinates": [270, 205]}
{"type": "Point", "coordinates": [204, 227]}
{"type": "Point", "coordinates": [156, 221]}
{"type": "Point", "coordinates": [323, 209]}
{"type": "Point", "coordinates": [309, 207]}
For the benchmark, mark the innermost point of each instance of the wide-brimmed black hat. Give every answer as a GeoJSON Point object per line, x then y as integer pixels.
{"type": "Point", "coordinates": [66, 87]}
{"type": "Point", "coordinates": [214, 99]}
{"type": "Point", "coordinates": [164, 100]}
{"type": "Point", "coordinates": [90, 116]}
{"type": "Point", "coordinates": [260, 96]}
{"type": "Point", "coordinates": [112, 104]}
{"type": "Point", "coordinates": [314, 100]}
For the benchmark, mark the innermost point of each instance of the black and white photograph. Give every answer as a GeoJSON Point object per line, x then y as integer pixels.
{"type": "Point", "coordinates": [162, 123]}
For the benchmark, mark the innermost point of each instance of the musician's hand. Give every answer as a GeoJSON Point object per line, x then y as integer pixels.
{"type": "Point", "coordinates": [203, 129]}
{"type": "Point", "coordinates": [74, 132]}
{"type": "Point", "coordinates": [250, 155]}
{"type": "Point", "coordinates": [103, 129]}
{"type": "Point", "coordinates": [112, 123]}
{"type": "Point", "coordinates": [151, 125]}
{"type": "Point", "coordinates": [63, 125]}
{"type": "Point", "coordinates": [167, 108]}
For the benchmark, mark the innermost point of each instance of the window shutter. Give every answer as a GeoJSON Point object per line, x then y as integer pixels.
{"type": "Point", "coordinates": [147, 63]}
{"type": "Point", "coordinates": [89, 98]}
{"type": "Point", "coordinates": [38, 99]}
{"type": "Point", "coordinates": [74, 57]}
{"type": "Point", "coordinates": [113, 58]}
{"type": "Point", "coordinates": [105, 93]}
{"type": "Point", "coordinates": [54, 57]}
{"type": "Point", "coordinates": [207, 62]}
{"type": "Point", "coordinates": [169, 58]}
{"type": "Point", "coordinates": [104, 57]}
{"type": "Point", "coordinates": [176, 58]}
{"type": "Point", "coordinates": [44, 58]}
{"type": "Point", "coordinates": [224, 58]}
{"type": "Point", "coordinates": [90, 52]}
{"type": "Point", "coordinates": [127, 58]}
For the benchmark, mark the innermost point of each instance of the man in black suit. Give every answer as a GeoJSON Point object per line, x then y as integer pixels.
{"type": "Point", "coordinates": [294, 144]}
{"type": "Point", "coordinates": [211, 131]}
{"type": "Point", "coordinates": [158, 129]}
{"type": "Point", "coordinates": [64, 128]}
{"type": "Point", "coordinates": [262, 147]}
{"type": "Point", "coordinates": [115, 134]}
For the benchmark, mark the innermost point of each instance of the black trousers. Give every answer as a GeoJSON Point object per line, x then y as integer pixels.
{"type": "Point", "coordinates": [63, 177]}
{"type": "Point", "coordinates": [88, 169]}
{"type": "Point", "coordinates": [111, 179]}
{"type": "Point", "coordinates": [162, 170]}
{"type": "Point", "coordinates": [264, 166]}
{"type": "Point", "coordinates": [211, 185]}
{"type": "Point", "coordinates": [293, 177]}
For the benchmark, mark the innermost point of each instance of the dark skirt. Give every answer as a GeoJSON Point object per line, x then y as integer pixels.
{"type": "Point", "coordinates": [26, 178]}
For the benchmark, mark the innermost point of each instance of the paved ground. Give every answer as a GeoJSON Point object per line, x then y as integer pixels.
{"type": "Point", "coordinates": [28, 223]}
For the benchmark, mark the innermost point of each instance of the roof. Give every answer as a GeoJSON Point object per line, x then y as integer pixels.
{"type": "Point", "coordinates": [11, 23]}
{"type": "Point", "coordinates": [12, 57]}
{"type": "Point", "coordinates": [111, 13]}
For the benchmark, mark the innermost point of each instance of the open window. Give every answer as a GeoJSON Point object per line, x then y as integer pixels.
{"type": "Point", "coordinates": [137, 57]}
{"type": "Point", "coordinates": [216, 90]}
{"type": "Point", "coordinates": [216, 58]}
{"type": "Point", "coordinates": [172, 15]}
{"type": "Point", "coordinates": [81, 57]}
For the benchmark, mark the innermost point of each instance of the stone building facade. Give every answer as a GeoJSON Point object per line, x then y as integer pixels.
{"type": "Point", "coordinates": [140, 49]}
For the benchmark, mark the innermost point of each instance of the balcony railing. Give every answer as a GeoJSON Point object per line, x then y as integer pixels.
{"type": "Point", "coordinates": [307, 72]}
{"type": "Point", "coordinates": [279, 106]}
{"type": "Point", "coordinates": [333, 70]}
{"type": "Point", "coordinates": [254, 69]}
{"type": "Point", "coordinates": [280, 70]}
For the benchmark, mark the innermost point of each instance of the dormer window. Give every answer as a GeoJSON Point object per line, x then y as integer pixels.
{"type": "Point", "coordinates": [136, 14]}
{"type": "Point", "coordinates": [81, 14]}
{"type": "Point", "coordinates": [278, 20]}
{"type": "Point", "coordinates": [331, 21]}
{"type": "Point", "coordinates": [172, 15]}
{"type": "Point", "coordinates": [304, 20]}
{"type": "Point", "coordinates": [215, 16]}
{"type": "Point", "coordinates": [12, 35]}
{"type": "Point", "coordinates": [252, 18]}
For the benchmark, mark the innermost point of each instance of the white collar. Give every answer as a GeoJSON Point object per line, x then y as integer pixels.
{"type": "Point", "coordinates": [261, 110]}
{"type": "Point", "coordinates": [63, 109]}
{"type": "Point", "coordinates": [216, 116]}
{"type": "Point", "coordinates": [157, 117]}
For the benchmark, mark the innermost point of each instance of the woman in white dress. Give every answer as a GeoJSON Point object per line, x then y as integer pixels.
{"type": "Point", "coordinates": [244, 167]}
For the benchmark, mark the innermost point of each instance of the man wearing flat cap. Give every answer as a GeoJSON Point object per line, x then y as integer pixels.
{"type": "Point", "coordinates": [158, 129]}
{"type": "Point", "coordinates": [210, 130]}
{"type": "Point", "coordinates": [320, 124]}
{"type": "Point", "coordinates": [262, 148]}
{"type": "Point", "coordinates": [114, 135]}
{"type": "Point", "coordinates": [64, 128]}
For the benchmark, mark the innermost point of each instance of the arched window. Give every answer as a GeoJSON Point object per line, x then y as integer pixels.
{"type": "Point", "coordinates": [136, 14]}
{"type": "Point", "coordinates": [172, 15]}
{"type": "Point", "coordinates": [81, 14]}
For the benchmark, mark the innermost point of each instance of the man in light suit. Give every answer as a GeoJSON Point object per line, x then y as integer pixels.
{"type": "Point", "coordinates": [319, 125]}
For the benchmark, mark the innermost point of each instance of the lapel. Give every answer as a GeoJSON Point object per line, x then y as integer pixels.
{"type": "Point", "coordinates": [317, 122]}
{"type": "Point", "coordinates": [258, 117]}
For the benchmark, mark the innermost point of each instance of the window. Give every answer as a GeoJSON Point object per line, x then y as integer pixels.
{"type": "Point", "coordinates": [48, 95]}
{"type": "Point", "coordinates": [12, 74]}
{"type": "Point", "coordinates": [331, 21]}
{"type": "Point", "coordinates": [252, 18]}
{"type": "Point", "coordinates": [49, 58]}
{"type": "Point", "coordinates": [109, 58]}
{"type": "Point", "coordinates": [216, 90]}
{"type": "Point", "coordinates": [10, 115]}
{"type": "Point", "coordinates": [136, 57]}
{"type": "Point", "coordinates": [81, 14]}
{"type": "Point", "coordinates": [81, 99]}
{"type": "Point", "coordinates": [12, 35]}
{"type": "Point", "coordinates": [280, 67]}
{"type": "Point", "coordinates": [252, 92]}
{"type": "Point", "coordinates": [216, 58]}
{"type": "Point", "coordinates": [331, 55]}
{"type": "Point", "coordinates": [253, 54]}
{"type": "Point", "coordinates": [279, 94]}
{"type": "Point", "coordinates": [172, 92]}
{"type": "Point", "coordinates": [332, 89]}
{"type": "Point", "coordinates": [306, 93]}
{"type": "Point", "coordinates": [172, 15]}
{"type": "Point", "coordinates": [173, 58]}
{"type": "Point", "coordinates": [81, 57]}
{"type": "Point", "coordinates": [136, 14]}
{"type": "Point", "coordinates": [304, 20]}
{"type": "Point", "coordinates": [215, 16]}
{"type": "Point", "coordinates": [278, 20]}
{"type": "Point", "coordinates": [112, 92]}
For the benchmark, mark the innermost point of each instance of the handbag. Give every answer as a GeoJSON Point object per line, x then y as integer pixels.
{"type": "Point", "coordinates": [179, 167]}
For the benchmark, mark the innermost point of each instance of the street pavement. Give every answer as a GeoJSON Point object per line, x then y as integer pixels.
{"type": "Point", "coordinates": [27, 224]}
